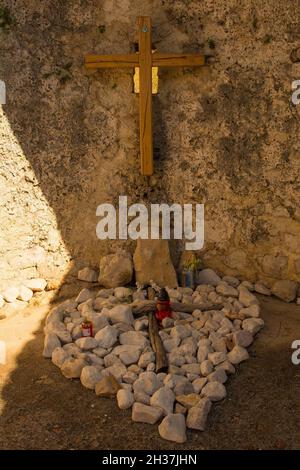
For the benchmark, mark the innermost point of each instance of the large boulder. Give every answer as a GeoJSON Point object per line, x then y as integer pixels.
{"type": "Point", "coordinates": [152, 261]}
{"type": "Point", "coordinates": [285, 290]}
{"type": "Point", "coordinates": [115, 270]}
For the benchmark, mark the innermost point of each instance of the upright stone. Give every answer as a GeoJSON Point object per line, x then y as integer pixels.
{"type": "Point", "coordinates": [152, 261]}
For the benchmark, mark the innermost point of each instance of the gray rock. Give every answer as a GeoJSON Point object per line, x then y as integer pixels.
{"type": "Point", "coordinates": [163, 398]}
{"type": "Point", "coordinates": [99, 322]}
{"type": "Point", "coordinates": [173, 428]}
{"type": "Point", "coordinates": [181, 331]}
{"type": "Point", "coordinates": [71, 349]}
{"type": "Point", "coordinates": [172, 343]}
{"type": "Point", "coordinates": [192, 368]}
{"type": "Point", "coordinates": [107, 336]}
{"type": "Point", "coordinates": [130, 377]}
{"type": "Point", "coordinates": [197, 415]}
{"type": "Point", "coordinates": [285, 290]}
{"type": "Point", "coordinates": [208, 277]}
{"type": "Point", "coordinates": [101, 352]}
{"type": "Point", "coordinates": [248, 285]}
{"type": "Point", "coordinates": [125, 399]}
{"type": "Point", "coordinates": [51, 342]}
{"type": "Point", "coordinates": [253, 325]}
{"type": "Point", "coordinates": [90, 376]}
{"type": "Point", "coordinates": [111, 359]}
{"type": "Point", "coordinates": [145, 414]}
{"type": "Point", "coordinates": [215, 391]}
{"type": "Point", "coordinates": [175, 358]}
{"type": "Point", "coordinates": [237, 355]}
{"type": "Point", "coordinates": [121, 314]}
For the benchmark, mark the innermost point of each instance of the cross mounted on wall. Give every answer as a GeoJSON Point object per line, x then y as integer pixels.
{"type": "Point", "coordinates": [144, 61]}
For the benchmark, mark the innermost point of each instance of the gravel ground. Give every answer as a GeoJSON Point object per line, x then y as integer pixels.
{"type": "Point", "coordinates": [43, 410]}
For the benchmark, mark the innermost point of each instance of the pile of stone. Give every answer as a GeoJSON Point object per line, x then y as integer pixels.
{"type": "Point", "coordinates": [19, 296]}
{"type": "Point", "coordinates": [203, 349]}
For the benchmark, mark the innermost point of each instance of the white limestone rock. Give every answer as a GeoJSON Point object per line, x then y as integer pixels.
{"type": "Point", "coordinates": [117, 370]}
{"type": "Point", "coordinates": [197, 415]}
{"type": "Point", "coordinates": [285, 290]}
{"type": "Point", "coordinates": [232, 281]}
{"type": "Point", "coordinates": [163, 398]}
{"type": "Point", "coordinates": [125, 399]}
{"type": "Point", "coordinates": [122, 292]}
{"type": "Point", "coordinates": [86, 343]}
{"type": "Point", "coordinates": [225, 289]}
{"type": "Point", "coordinates": [141, 324]}
{"type": "Point", "coordinates": [206, 367]}
{"type": "Point", "coordinates": [25, 294]}
{"type": "Point", "coordinates": [72, 367]}
{"type": "Point", "coordinates": [121, 314]}
{"type": "Point", "coordinates": [260, 288]}
{"type": "Point", "coordinates": [217, 357]}
{"type": "Point", "coordinates": [84, 295]}
{"type": "Point", "coordinates": [88, 275]}
{"type": "Point", "coordinates": [215, 391]}
{"type": "Point", "coordinates": [203, 352]}
{"type": "Point", "coordinates": [36, 285]}
{"type": "Point", "coordinates": [145, 414]}
{"type": "Point", "coordinates": [181, 331]}
{"type": "Point", "coordinates": [10, 294]}
{"type": "Point", "coordinates": [51, 342]}
{"type": "Point", "coordinates": [253, 325]}
{"type": "Point", "coordinates": [59, 355]}
{"type": "Point", "coordinates": [237, 355]}
{"type": "Point", "coordinates": [198, 384]}
{"type": "Point", "coordinates": [146, 359]}
{"type": "Point", "coordinates": [173, 428]}
{"type": "Point", "coordinates": [227, 367]}
{"type": "Point", "coordinates": [171, 343]}
{"type": "Point", "coordinates": [90, 376]}
{"type": "Point", "coordinates": [107, 337]}
{"type": "Point", "coordinates": [141, 397]}
{"type": "Point", "coordinates": [147, 383]}
{"type": "Point", "coordinates": [218, 375]}
{"type": "Point", "coordinates": [133, 337]}
{"type": "Point", "coordinates": [242, 338]}
{"type": "Point", "coordinates": [130, 377]}
{"type": "Point", "coordinates": [246, 297]}
{"type": "Point", "coordinates": [128, 353]}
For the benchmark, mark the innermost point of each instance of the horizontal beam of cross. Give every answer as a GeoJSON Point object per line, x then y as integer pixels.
{"type": "Point", "coordinates": [132, 60]}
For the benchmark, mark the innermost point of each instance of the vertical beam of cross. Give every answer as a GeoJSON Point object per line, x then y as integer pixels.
{"type": "Point", "coordinates": [145, 69]}
{"type": "Point", "coordinates": [145, 60]}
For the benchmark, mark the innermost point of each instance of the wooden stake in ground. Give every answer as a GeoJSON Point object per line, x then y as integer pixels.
{"type": "Point", "coordinates": [157, 345]}
{"type": "Point", "coordinates": [145, 59]}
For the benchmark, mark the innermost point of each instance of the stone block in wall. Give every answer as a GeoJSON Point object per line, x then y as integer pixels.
{"type": "Point", "coordinates": [27, 258]}
{"type": "Point", "coordinates": [274, 266]}
{"type": "Point", "coordinates": [297, 265]}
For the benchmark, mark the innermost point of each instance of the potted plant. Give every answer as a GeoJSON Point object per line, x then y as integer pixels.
{"type": "Point", "coordinates": [190, 271]}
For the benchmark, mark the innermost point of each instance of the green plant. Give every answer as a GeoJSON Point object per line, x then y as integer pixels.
{"type": "Point", "coordinates": [211, 43]}
{"type": "Point", "coordinates": [267, 38]}
{"type": "Point", "coordinates": [193, 264]}
{"type": "Point", "coordinates": [6, 20]}
{"type": "Point", "coordinates": [102, 28]}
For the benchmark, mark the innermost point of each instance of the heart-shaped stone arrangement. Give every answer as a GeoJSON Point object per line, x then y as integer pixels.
{"type": "Point", "coordinates": [203, 348]}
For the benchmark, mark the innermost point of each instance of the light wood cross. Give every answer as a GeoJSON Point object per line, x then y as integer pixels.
{"type": "Point", "coordinates": [145, 59]}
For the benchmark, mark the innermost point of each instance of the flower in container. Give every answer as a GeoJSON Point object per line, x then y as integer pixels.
{"type": "Point", "coordinates": [189, 273]}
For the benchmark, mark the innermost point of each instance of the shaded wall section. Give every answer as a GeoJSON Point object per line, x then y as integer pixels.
{"type": "Point", "coordinates": [225, 135]}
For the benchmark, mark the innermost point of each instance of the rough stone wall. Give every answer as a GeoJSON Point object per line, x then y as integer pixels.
{"type": "Point", "coordinates": [225, 135]}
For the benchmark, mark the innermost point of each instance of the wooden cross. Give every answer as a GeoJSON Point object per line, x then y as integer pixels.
{"type": "Point", "coordinates": [145, 59]}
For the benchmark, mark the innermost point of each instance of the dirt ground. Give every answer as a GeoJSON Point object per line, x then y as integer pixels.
{"type": "Point", "coordinates": [42, 410]}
